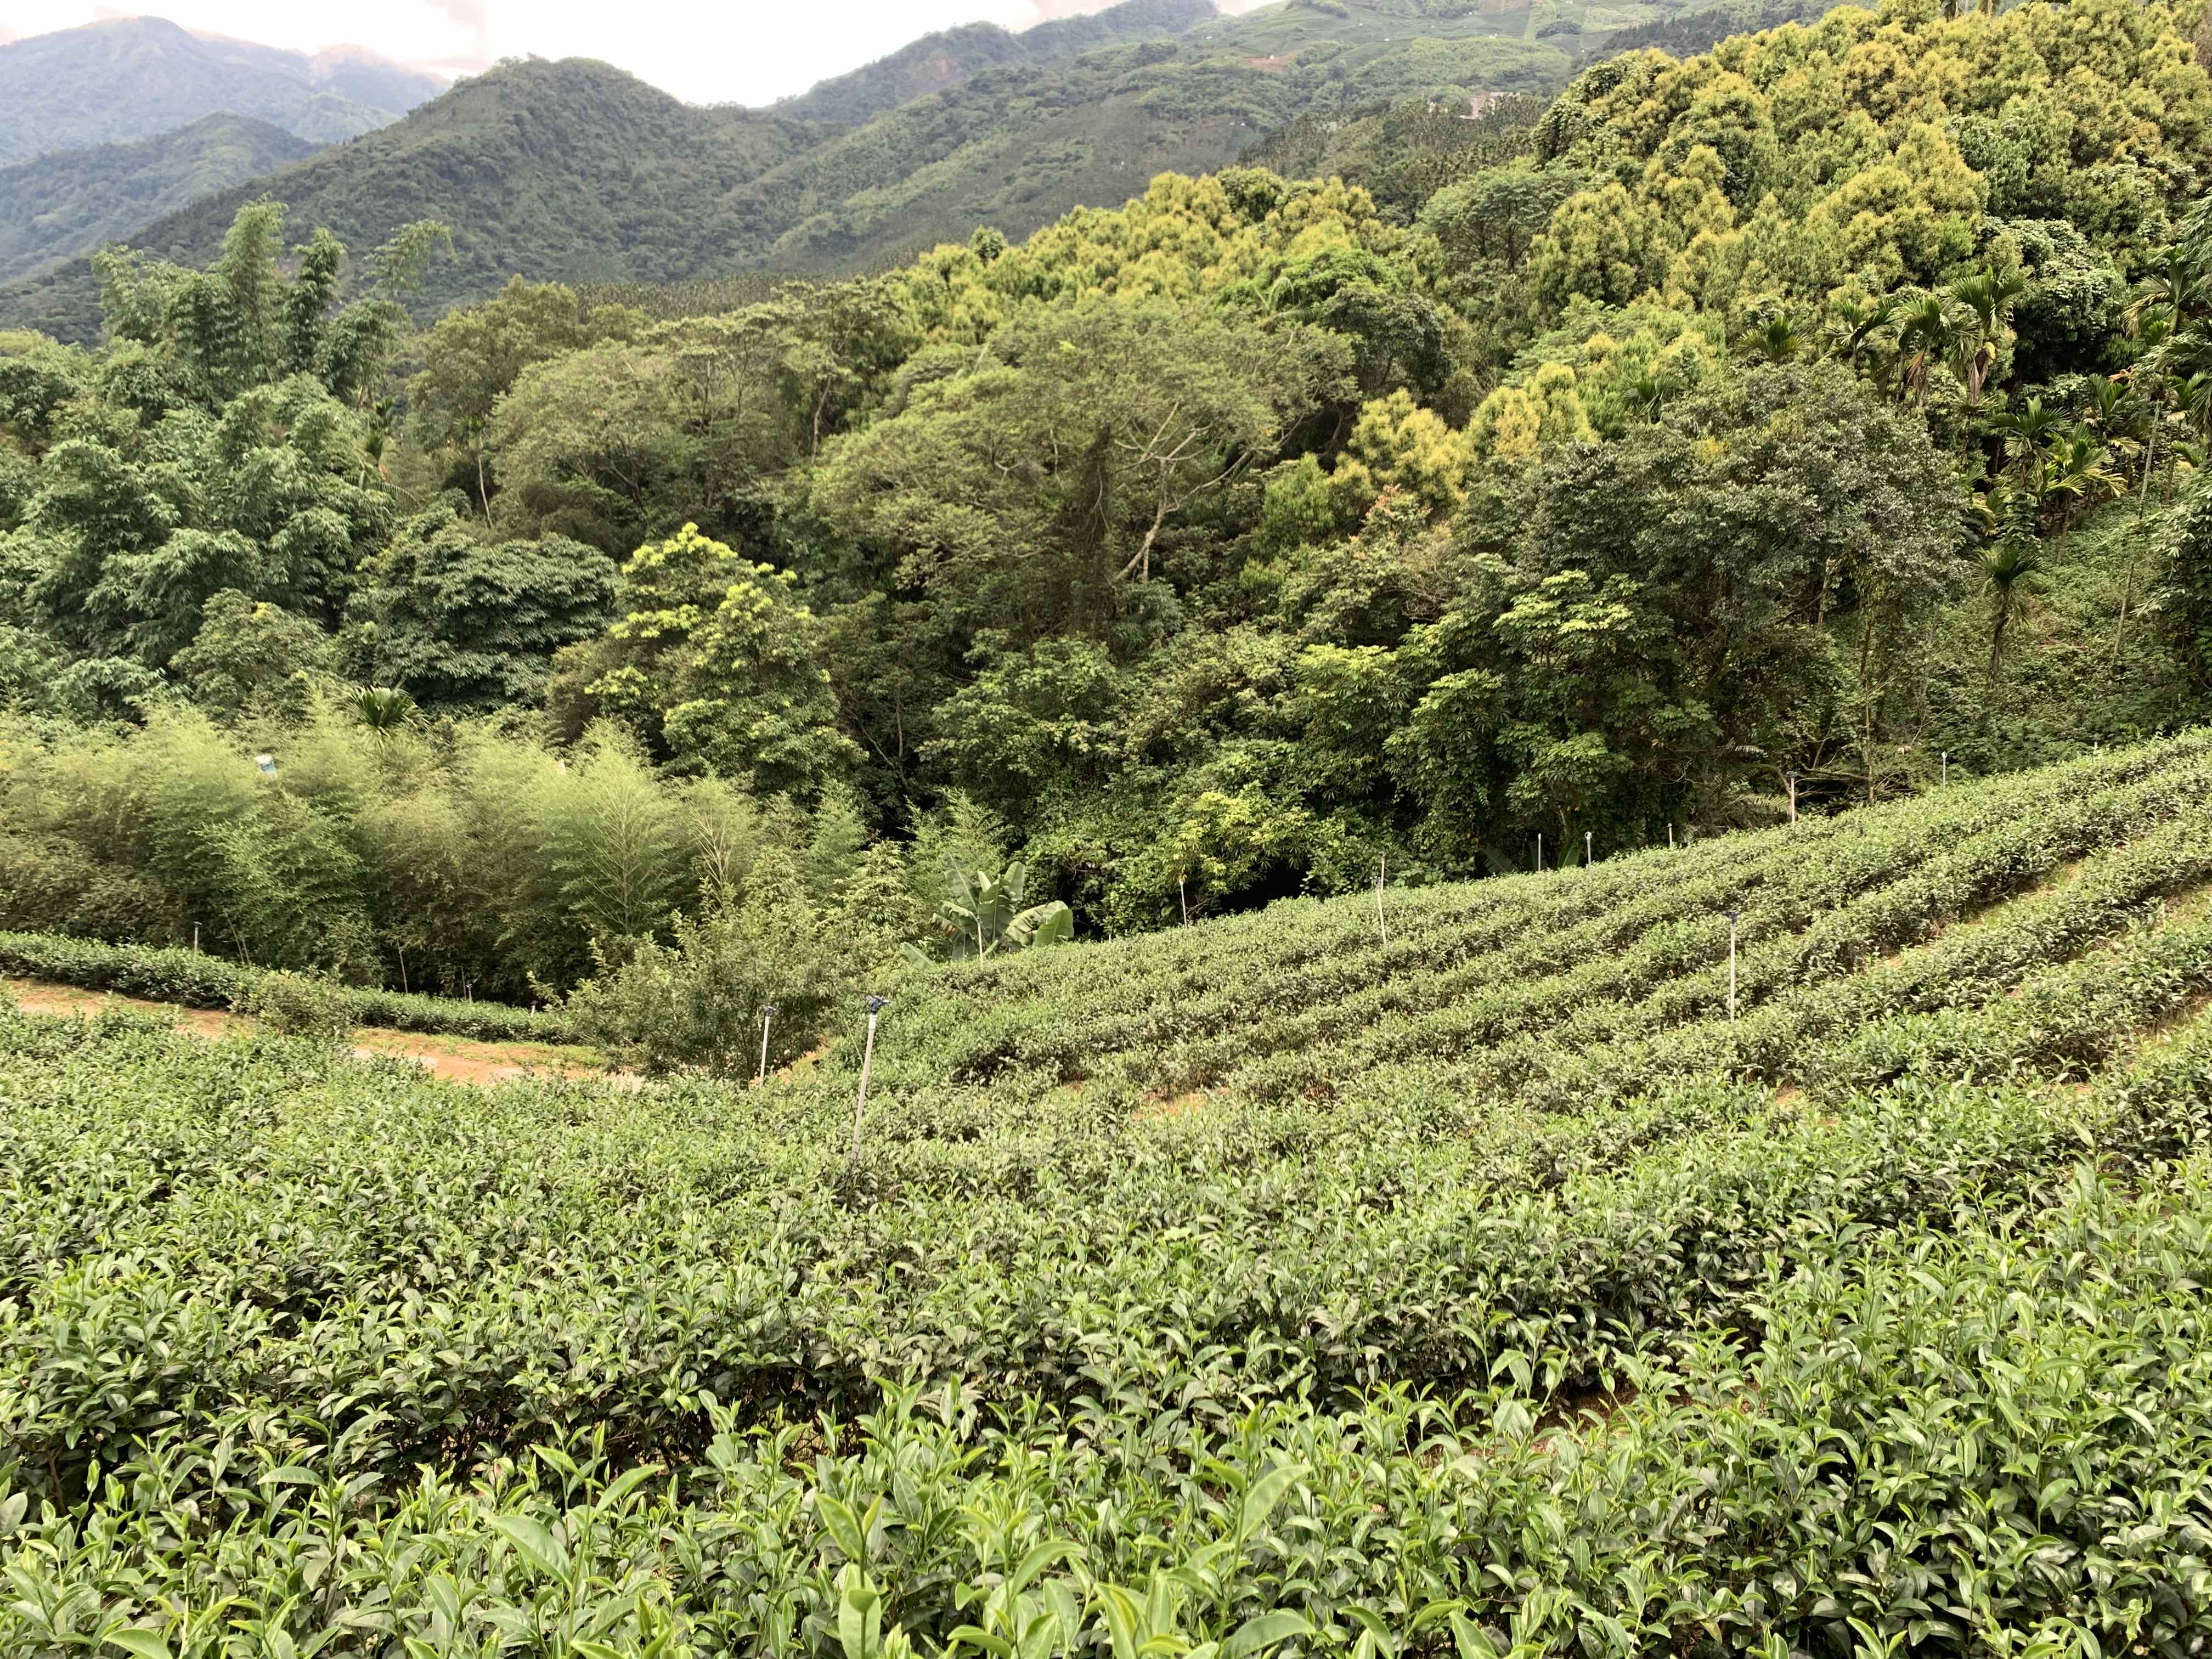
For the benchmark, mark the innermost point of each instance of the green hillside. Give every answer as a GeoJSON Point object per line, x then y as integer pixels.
{"type": "Point", "coordinates": [1496, 1289]}
{"type": "Point", "coordinates": [574, 172]}
{"type": "Point", "coordinates": [571, 170]}
{"type": "Point", "coordinates": [950, 56]}
{"type": "Point", "coordinates": [1030, 787]}
{"type": "Point", "coordinates": [71, 202]}
{"type": "Point", "coordinates": [138, 78]}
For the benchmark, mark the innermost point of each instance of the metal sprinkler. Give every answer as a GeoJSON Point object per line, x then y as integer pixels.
{"type": "Point", "coordinates": [1588, 857]}
{"type": "Point", "coordinates": [876, 1007]}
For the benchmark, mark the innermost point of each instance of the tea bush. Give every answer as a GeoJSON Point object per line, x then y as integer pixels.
{"type": "Point", "coordinates": [298, 1004]}
{"type": "Point", "coordinates": [1511, 1300]}
{"type": "Point", "coordinates": [197, 981]}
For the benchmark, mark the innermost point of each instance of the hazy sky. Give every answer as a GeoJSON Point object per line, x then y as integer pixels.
{"type": "Point", "coordinates": [747, 52]}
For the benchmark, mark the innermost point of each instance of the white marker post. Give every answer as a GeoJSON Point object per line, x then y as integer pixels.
{"type": "Point", "coordinates": [876, 1007]}
{"type": "Point", "coordinates": [1793, 795]}
{"type": "Point", "coordinates": [1381, 926]}
{"type": "Point", "coordinates": [1588, 857]}
{"type": "Point", "coordinates": [768, 1019]}
{"type": "Point", "coordinates": [1540, 852]}
{"type": "Point", "coordinates": [1670, 835]}
{"type": "Point", "coordinates": [1947, 768]}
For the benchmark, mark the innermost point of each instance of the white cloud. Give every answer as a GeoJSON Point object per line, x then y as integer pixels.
{"type": "Point", "coordinates": [745, 52]}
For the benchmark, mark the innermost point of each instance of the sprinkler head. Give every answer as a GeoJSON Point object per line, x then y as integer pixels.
{"type": "Point", "coordinates": [877, 1005]}
{"type": "Point", "coordinates": [770, 1011]}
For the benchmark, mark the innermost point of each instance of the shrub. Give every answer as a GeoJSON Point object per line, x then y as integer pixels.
{"type": "Point", "coordinates": [198, 980]}
{"type": "Point", "coordinates": [696, 1005]}
{"type": "Point", "coordinates": [297, 1005]}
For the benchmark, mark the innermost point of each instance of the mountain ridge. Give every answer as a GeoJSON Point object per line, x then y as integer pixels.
{"type": "Point", "coordinates": [131, 78]}
{"type": "Point", "coordinates": [948, 57]}
{"type": "Point", "coordinates": [577, 172]}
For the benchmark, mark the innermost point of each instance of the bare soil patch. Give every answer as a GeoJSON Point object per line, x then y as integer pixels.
{"type": "Point", "coordinates": [456, 1059]}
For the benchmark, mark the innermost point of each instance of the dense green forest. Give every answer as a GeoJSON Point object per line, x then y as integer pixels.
{"type": "Point", "coordinates": [73, 202]}
{"type": "Point", "coordinates": [1774, 431]}
{"type": "Point", "coordinates": [576, 171]}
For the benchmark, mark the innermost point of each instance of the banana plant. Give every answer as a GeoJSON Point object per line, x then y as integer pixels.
{"type": "Point", "coordinates": [985, 916]}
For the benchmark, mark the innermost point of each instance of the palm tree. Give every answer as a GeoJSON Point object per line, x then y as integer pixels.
{"type": "Point", "coordinates": [1925, 334]}
{"type": "Point", "coordinates": [1646, 392]}
{"type": "Point", "coordinates": [2150, 377]}
{"type": "Point", "coordinates": [1776, 339]}
{"type": "Point", "coordinates": [2010, 572]}
{"type": "Point", "coordinates": [1988, 297]}
{"type": "Point", "coordinates": [2116, 414]}
{"type": "Point", "coordinates": [2192, 399]}
{"type": "Point", "coordinates": [383, 710]}
{"type": "Point", "coordinates": [2076, 476]}
{"type": "Point", "coordinates": [1853, 333]}
{"type": "Point", "coordinates": [2024, 430]}
{"type": "Point", "coordinates": [2168, 293]}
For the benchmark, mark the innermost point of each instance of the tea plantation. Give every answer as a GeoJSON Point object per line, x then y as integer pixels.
{"type": "Point", "coordinates": [1256, 1287]}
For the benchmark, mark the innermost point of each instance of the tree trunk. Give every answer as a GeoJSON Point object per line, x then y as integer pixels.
{"type": "Point", "coordinates": [2142, 502]}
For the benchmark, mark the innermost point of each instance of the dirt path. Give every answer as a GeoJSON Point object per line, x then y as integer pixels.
{"type": "Point", "coordinates": [457, 1058]}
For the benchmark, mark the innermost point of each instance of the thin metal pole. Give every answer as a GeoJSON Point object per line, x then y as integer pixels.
{"type": "Point", "coordinates": [1588, 857]}
{"type": "Point", "coordinates": [1947, 768]}
{"type": "Point", "coordinates": [400, 948]}
{"type": "Point", "coordinates": [1793, 796]}
{"type": "Point", "coordinates": [1381, 925]}
{"type": "Point", "coordinates": [1183, 893]}
{"type": "Point", "coordinates": [196, 939]}
{"type": "Point", "coordinates": [1539, 851]}
{"type": "Point", "coordinates": [1670, 835]}
{"type": "Point", "coordinates": [867, 1062]}
{"type": "Point", "coordinates": [768, 1019]}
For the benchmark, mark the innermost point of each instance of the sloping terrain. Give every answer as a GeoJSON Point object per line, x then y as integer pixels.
{"type": "Point", "coordinates": [951, 57]}
{"type": "Point", "coordinates": [138, 78]}
{"type": "Point", "coordinates": [575, 172]}
{"type": "Point", "coordinates": [75, 200]}
{"type": "Point", "coordinates": [1499, 1286]}
{"type": "Point", "coordinates": [571, 170]}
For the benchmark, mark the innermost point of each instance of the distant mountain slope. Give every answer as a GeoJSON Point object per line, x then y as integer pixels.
{"type": "Point", "coordinates": [138, 78]}
{"type": "Point", "coordinates": [576, 171]}
{"type": "Point", "coordinates": [951, 57]}
{"type": "Point", "coordinates": [571, 170]}
{"type": "Point", "coordinates": [363, 77]}
{"type": "Point", "coordinates": [1685, 34]}
{"type": "Point", "coordinates": [79, 200]}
